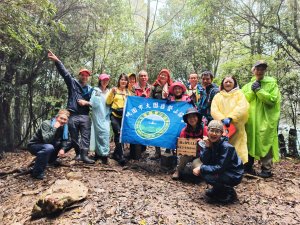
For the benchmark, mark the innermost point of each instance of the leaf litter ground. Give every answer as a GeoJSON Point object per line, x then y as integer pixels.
{"type": "Point", "coordinates": [141, 193]}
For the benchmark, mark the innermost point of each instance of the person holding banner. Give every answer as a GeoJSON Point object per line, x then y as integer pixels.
{"type": "Point", "coordinates": [194, 129]}
{"type": "Point", "coordinates": [160, 90]}
{"type": "Point", "coordinates": [231, 107]}
{"type": "Point", "coordinates": [100, 118]}
{"type": "Point", "coordinates": [221, 166]}
{"type": "Point", "coordinates": [177, 92]}
{"type": "Point", "coordinates": [141, 89]}
{"type": "Point", "coordinates": [116, 98]}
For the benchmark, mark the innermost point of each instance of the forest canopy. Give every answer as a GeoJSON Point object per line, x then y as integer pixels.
{"type": "Point", "coordinates": [185, 36]}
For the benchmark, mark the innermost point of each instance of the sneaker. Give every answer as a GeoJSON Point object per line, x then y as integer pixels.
{"type": "Point", "coordinates": [265, 174]}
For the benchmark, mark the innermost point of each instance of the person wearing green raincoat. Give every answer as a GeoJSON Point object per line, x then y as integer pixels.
{"type": "Point", "coordinates": [264, 97]}
{"type": "Point", "coordinates": [100, 131]}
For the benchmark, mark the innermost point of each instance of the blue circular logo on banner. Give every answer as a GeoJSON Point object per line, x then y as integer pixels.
{"type": "Point", "coordinates": [152, 124]}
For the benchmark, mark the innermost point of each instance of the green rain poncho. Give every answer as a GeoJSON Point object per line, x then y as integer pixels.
{"type": "Point", "coordinates": [264, 113]}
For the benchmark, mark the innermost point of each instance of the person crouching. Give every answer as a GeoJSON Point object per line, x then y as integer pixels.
{"type": "Point", "coordinates": [221, 167]}
{"type": "Point", "coordinates": [194, 129]}
{"type": "Point", "coordinates": [47, 143]}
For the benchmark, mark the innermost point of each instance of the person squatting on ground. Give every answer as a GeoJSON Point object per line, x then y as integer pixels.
{"type": "Point", "coordinates": [48, 143]}
{"type": "Point", "coordinates": [116, 98]}
{"type": "Point", "coordinates": [231, 107]}
{"type": "Point", "coordinates": [142, 89]}
{"type": "Point", "coordinates": [160, 90]}
{"type": "Point", "coordinates": [79, 94]}
{"type": "Point", "coordinates": [101, 119]}
{"type": "Point", "coordinates": [209, 93]}
{"type": "Point", "coordinates": [193, 129]}
{"type": "Point", "coordinates": [263, 94]}
{"type": "Point", "coordinates": [221, 167]}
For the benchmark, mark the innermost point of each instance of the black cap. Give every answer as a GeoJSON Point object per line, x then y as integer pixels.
{"type": "Point", "coordinates": [261, 63]}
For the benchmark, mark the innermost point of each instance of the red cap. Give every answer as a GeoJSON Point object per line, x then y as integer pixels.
{"type": "Point", "coordinates": [82, 71]}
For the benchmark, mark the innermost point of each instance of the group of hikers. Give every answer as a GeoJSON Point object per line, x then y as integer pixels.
{"type": "Point", "coordinates": [250, 113]}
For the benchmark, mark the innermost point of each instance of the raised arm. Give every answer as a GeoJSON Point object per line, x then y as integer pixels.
{"type": "Point", "coordinates": [61, 68]}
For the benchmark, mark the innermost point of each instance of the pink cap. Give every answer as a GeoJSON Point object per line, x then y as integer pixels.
{"type": "Point", "coordinates": [103, 76]}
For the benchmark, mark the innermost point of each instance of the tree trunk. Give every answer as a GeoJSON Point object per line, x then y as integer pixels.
{"type": "Point", "coordinates": [293, 143]}
{"type": "Point", "coordinates": [6, 129]}
{"type": "Point", "coordinates": [17, 128]}
{"type": "Point", "coordinates": [146, 43]}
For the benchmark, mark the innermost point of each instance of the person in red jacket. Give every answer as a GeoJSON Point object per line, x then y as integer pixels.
{"type": "Point", "coordinates": [142, 89]}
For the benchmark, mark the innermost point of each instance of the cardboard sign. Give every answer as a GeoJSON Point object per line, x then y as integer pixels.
{"type": "Point", "coordinates": [187, 146]}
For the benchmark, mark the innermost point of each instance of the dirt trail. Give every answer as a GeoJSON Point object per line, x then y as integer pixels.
{"type": "Point", "coordinates": [142, 194]}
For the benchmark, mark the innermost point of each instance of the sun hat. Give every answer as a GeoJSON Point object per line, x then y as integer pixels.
{"type": "Point", "coordinates": [171, 88]}
{"type": "Point", "coordinates": [191, 111]}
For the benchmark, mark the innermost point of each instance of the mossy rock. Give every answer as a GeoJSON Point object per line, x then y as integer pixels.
{"type": "Point", "coordinates": [60, 195]}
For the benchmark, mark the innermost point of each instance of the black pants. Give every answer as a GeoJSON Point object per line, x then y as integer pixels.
{"type": "Point", "coordinates": [116, 126]}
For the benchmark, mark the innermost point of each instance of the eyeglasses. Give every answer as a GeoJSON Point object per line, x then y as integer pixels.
{"type": "Point", "coordinates": [215, 131]}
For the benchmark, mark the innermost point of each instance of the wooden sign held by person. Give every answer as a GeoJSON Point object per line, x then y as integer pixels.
{"type": "Point", "coordinates": [187, 146]}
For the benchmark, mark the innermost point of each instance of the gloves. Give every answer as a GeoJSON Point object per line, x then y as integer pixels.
{"type": "Point", "coordinates": [226, 121]}
{"type": "Point", "coordinates": [255, 86]}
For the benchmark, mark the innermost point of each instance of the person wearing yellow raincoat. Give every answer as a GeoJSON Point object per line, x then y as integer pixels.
{"type": "Point", "coordinates": [264, 97]}
{"type": "Point", "coordinates": [231, 106]}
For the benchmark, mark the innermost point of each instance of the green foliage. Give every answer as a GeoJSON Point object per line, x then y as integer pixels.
{"type": "Point", "coordinates": [226, 37]}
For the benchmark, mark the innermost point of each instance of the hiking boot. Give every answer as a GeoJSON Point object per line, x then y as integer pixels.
{"type": "Point", "coordinates": [85, 158]}
{"type": "Point", "coordinates": [104, 160]}
{"type": "Point", "coordinates": [77, 157]}
{"type": "Point", "coordinates": [168, 151]}
{"type": "Point", "coordinates": [96, 157]}
{"type": "Point", "coordinates": [250, 171]}
{"type": "Point", "coordinates": [55, 163]}
{"type": "Point", "coordinates": [157, 153]}
{"type": "Point", "coordinates": [228, 196]}
{"type": "Point", "coordinates": [122, 162]}
{"type": "Point", "coordinates": [175, 175]}
{"type": "Point", "coordinates": [211, 193]}
{"type": "Point", "coordinates": [39, 176]}
{"type": "Point", "coordinates": [265, 174]}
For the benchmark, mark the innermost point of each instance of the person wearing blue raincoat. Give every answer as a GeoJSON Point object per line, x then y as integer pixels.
{"type": "Point", "coordinates": [100, 130]}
